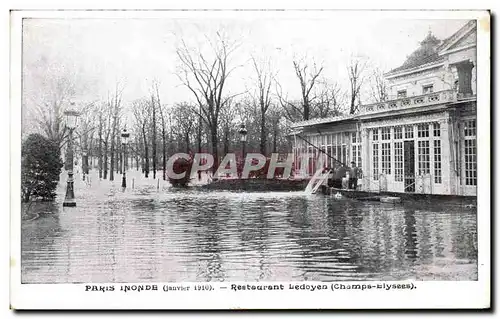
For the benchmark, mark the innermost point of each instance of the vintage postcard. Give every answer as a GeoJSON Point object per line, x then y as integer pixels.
{"type": "Point", "coordinates": [232, 159]}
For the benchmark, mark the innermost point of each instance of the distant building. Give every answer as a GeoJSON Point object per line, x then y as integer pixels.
{"type": "Point", "coordinates": [423, 137]}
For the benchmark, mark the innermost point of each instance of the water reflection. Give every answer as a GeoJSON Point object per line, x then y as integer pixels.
{"type": "Point", "coordinates": [169, 236]}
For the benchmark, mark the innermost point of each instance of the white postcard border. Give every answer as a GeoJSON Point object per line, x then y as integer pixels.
{"type": "Point", "coordinates": [465, 294]}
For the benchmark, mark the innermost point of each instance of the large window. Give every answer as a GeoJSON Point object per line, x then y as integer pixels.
{"type": "Point", "coordinates": [356, 155]}
{"type": "Point", "coordinates": [470, 128]}
{"type": "Point", "coordinates": [356, 148]}
{"type": "Point", "coordinates": [437, 162]}
{"type": "Point", "coordinates": [386, 158]}
{"type": "Point", "coordinates": [424, 164]}
{"type": "Point", "coordinates": [470, 162]}
{"type": "Point", "coordinates": [470, 153]}
{"type": "Point", "coordinates": [335, 145]}
{"type": "Point", "coordinates": [398, 161]}
{"type": "Point", "coordinates": [375, 162]}
{"type": "Point", "coordinates": [375, 134]}
{"type": "Point", "coordinates": [344, 153]}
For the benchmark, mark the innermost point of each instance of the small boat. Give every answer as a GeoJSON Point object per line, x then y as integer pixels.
{"type": "Point", "coordinates": [361, 195]}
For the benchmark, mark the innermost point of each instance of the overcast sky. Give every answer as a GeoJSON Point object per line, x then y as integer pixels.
{"type": "Point", "coordinates": [99, 52]}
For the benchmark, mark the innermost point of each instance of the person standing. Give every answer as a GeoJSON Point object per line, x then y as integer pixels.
{"type": "Point", "coordinates": [353, 176]}
{"type": "Point", "coordinates": [340, 172]}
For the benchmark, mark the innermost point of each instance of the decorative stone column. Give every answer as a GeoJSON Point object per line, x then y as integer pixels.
{"type": "Point", "coordinates": [365, 156]}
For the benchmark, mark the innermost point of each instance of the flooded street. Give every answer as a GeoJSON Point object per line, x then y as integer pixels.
{"type": "Point", "coordinates": [145, 235]}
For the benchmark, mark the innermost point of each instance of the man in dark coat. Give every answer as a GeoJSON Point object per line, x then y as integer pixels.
{"type": "Point", "coordinates": [338, 175]}
{"type": "Point", "coordinates": [354, 173]}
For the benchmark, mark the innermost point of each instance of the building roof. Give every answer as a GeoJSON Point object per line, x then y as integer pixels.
{"type": "Point", "coordinates": [325, 120]}
{"type": "Point", "coordinates": [427, 53]}
{"type": "Point", "coordinates": [451, 40]}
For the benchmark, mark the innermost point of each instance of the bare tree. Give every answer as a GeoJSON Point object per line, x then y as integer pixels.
{"type": "Point", "coordinates": [355, 70]}
{"type": "Point", "coordinates": [184, 119]}
{"type": "Point", "coordinates": [330, 99]}
{"type": "Point", "coordinates": [292, 110]}
{"type": "Point", "coordinates": [48, 90]}
{"type": "Point", "coordinates": [162, 109]}
{"type": "Point", "coordinates": [115, 104]}
{"type": "Point", "coordinates": [227, 125]}
{"type": "Point", "coordinates": [205, 76]}
{"type": "Point", "coordinates": [107, 133]}
{"type": "Point", "coordinates": [307, 79]}
{"type": "Point", "coordinates": [378, 86]}
{"type": "Point", "coordinates": [275, 115]}
{"type": "Point", "coordinates": [153, 131]}
{"type": "Point", "coordinates": [100, 133]}
{"type": "Point", "coordinates": [141, 111]}
{"type": "Point", "coordinates": [262, 94]}
{"type": "Point", "coordinates": [85, 132]}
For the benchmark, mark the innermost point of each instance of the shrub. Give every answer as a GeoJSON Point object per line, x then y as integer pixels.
{"type": "Point", "coordinates": [40, 167]}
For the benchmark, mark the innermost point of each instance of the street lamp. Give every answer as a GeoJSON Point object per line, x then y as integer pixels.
{"type": "Point", "coordinates": [243, 139]}
{"type": "Point", "coordinates": [71, 119]}
{"type": "Point", "coordinates": [125, 136]}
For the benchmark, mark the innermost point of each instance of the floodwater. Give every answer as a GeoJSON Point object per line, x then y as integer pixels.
{"type": "Point", "coordinates": [146, 235]}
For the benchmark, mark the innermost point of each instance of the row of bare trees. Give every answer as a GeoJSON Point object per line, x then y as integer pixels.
{"type": "Point", "coordinates": [209, 121]}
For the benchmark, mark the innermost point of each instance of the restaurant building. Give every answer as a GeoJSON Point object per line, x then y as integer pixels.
{"type": "Point", "coordinates": [422, 138]}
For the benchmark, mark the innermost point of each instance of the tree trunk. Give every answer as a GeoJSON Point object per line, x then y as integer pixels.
{"type": "Point", "coordinates": [306, 109]}
{"type": "Point", "coordinates": [154, 139]}
{"type": "Point", "coordinates": [146, 155]}
{"type": "Point", "coordinates": [226, 140]}
{"type": "Point", "coordinates": [213, 135]}
{"type": "Point", "coordinates": [353, 101]}
{"type": "Point", "coordinates": [275, 138]}
{"type": "Point", "coordinates": [164, 148]}
{"type": "Point", "coordinates": [186, 141]}
{"type": "Point", "coordinates": [198, 137]}
{"type": "Point", "coordinates": [198, 140]}
{"type": "Point", "coordinates": [105, 160]}
{"type": "Point", "coordinates": [112, 159]}
{"type": "Point", "coordinates": [100, 149]}
{"type": "Point", "coordinates": [263, 134]}
{"type": "Point", "coordinates": [122, 160]}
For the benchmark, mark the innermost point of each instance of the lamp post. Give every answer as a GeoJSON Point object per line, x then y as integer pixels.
{"type": "Point", "coordinates": [243, 139]}
{"type": "Point", "coordinates": [71, 118]}
{"type": "Point", "coordinates": [125, 136]}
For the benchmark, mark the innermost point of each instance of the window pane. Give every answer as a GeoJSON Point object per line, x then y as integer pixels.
{"type": "Point", "coordinates": [423, 157]}
{"type": "Point", "coordinates": [437, 129]}
{"type": "Point", "coordinates": [398, 161]}
{"type": "Point", "coordinates": [386, 158]}
{"type": "Point", "coordinates": [398, 132]}
{"type": "Point", "coordinates": [409, 131]}
{"type": "Point", "coordinates": [437, 162]}
{"type": "Point", "coordinates": [470, 162]}
{"type": "Point", "coordinates": [386, 133]}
